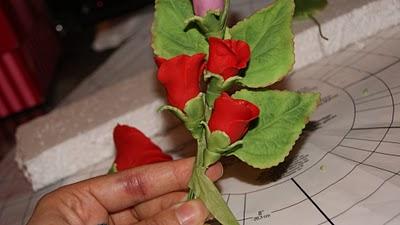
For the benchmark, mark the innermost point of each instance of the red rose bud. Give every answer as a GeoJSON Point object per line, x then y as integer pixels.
{"type": "Point", "coordinates": [232, 116]}
{"type": "Point", "coordinates": [201, 7]}
{"type": "Point", "coordinates": [159, 61]}
{"type": "Point", "coordinates": [181, 77]}
{"type": "Point", "coordinates": [227, 57]}
{"type": "Point", "coordinates": [135, 149]}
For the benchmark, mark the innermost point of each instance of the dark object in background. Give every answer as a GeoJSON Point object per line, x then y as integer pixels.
{"type": "Point", "coordinates": [77, 15]}
{"type": "Point", "coordinates": [29, 51]}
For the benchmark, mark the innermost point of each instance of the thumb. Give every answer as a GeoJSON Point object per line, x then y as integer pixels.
{"type": "Point", "coordinates": [188, 213]}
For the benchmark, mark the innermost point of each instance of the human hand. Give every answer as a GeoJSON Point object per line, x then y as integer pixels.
{"type": "Point", "coordinates": [152, 194]}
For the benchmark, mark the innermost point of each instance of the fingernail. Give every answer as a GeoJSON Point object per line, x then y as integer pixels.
{"type": "Point", "coordinates": [186, 214]}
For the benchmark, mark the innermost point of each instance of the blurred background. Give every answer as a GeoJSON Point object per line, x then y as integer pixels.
{"type": "Point", "coordinates": [47, 47]}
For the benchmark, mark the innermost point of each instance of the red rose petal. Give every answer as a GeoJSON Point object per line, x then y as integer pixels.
{"type": "Point", "coordinates": [181, 77]}
{"type": "Point", "coordinates": [135, 149]}
{"type": "Point", "coordinates": [227, 57]}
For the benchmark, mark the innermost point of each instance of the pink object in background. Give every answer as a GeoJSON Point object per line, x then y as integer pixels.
{"type": "Point", "coordinates": [29, 51]}
{"type": "Point", "coordinates": [201, 7]}
{"type": "Point", "coordinates": [18, 89]}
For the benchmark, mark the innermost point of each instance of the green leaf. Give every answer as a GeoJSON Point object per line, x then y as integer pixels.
{"type": "Point", "coordinates": [205, 190]}
{"type": "Point", "coordinates": [269, 34]}
{"type": "Point", "coordinates": [304, 8]}
{"type": "Point", "coordinates": [283, 115]}
{"type": "Point", "coordinates": [170, 38]}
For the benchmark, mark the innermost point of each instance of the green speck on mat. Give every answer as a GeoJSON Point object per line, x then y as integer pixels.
{"type": "Point", "coordinates": [365, 92]}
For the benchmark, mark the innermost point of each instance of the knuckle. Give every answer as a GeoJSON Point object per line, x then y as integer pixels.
{"type": "Point", "coordinates": [76, 204]}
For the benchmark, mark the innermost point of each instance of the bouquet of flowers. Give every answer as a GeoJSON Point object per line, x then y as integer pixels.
{"type": "Point", "coordinates": [215, 79]}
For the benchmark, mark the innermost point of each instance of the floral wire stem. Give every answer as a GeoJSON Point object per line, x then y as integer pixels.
{"type": "Point", "coordinates": [201, 144]}
{"type": "Point", "coordinates": [224, 17]}
{"type": "Point", "coordinates": [212, 93]}
{"type": "Point", "coordinates": [199, 161]}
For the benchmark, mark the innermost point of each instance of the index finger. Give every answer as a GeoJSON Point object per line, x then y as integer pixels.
{"type": "Point", "coordinates": [130, 187]}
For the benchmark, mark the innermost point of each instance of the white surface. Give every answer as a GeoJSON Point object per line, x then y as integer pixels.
{"type": "Point", "coordinates": [350, 166]}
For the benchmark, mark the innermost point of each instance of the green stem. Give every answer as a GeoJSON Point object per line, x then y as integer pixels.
{"type": "Point", "coordinates": [224, 17]}
{"type": "Point", "coordinates": [202, 187]}
{"type": "Point", "coordinates": [199, 161]}
{"type": "Point", "coordinates": [213, 91]}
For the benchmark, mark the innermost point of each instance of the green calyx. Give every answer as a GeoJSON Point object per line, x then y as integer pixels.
{"type": "Point", "coordinates": [217, 142]}
{"type": "Point", "coordinates": [192, 115]}
{"type": "Point", "coordinates": [211, 25]}
{"type": "Point", "coordinates": [195, 111]}
{"type": "Point", "coordinates": [218, 145]}
{"type": "Point", "coordinates": [217, 85]}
